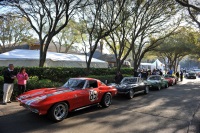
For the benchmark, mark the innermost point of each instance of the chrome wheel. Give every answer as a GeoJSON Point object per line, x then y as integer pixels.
{"type": "Point", "coordinates": [60, 111]}
{"type": "Point", "coordinates": [106, 100]}
{"type": "Point", "coordinates": [167, 85]}
{"type": "Point", "coordinates": [146, 89]}
{"type": "Point", "coordinates": [159, 87]}
{"type": "Point", "coordinates": [131, 94]}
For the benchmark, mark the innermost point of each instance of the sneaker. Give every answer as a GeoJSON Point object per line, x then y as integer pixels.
{"type": "Point", "coordinates": [9, 102]}
{"type": "Point", "coordinates": [4, 103]}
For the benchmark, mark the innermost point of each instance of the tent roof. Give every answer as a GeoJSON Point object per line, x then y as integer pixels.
{"type": "Point", "coordinates": [158, 62]}
{"type": "Point", "coordinates": [21, 54]}
{"type": "Point", "coordinates": [147, 64]}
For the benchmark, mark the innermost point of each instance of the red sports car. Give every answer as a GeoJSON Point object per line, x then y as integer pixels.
{"type": "Point", "coordinates": [75, 94]}
{"type": "Point", "coordinates": [171, 79]}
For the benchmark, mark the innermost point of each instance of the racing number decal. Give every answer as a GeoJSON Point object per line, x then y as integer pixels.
{"type": "Point", "coordinates": [93, 95]}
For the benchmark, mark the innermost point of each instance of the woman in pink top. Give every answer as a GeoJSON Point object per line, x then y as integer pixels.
{"type": "Point", "coordinates": [22, 77]}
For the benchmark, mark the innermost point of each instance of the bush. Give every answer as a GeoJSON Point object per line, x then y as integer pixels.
{"type": "Point", "coordinates": [61, 74]}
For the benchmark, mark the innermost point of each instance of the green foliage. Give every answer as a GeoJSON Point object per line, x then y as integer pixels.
{"type": "Point", "coordinates": [13, 30]}
{"type": "Point", "coordinates": [61, 74]}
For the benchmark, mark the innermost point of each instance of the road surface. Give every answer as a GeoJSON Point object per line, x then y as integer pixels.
{"type": "Point", "coordinates": [172, 110]}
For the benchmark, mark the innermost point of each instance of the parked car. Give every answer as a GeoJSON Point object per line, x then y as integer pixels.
{"type": "Point", "coordinates": [130, 86]}
{"type": "Point", "coordinates": [158, 82]}
{"type": "Point", "coordinates": [191, 75]}
{"type": "Point", "coordinates": [75, 94]}
{"type": "Point", "coordinates": [172, 80]}
{"type": "Point", "coordinates": [197, 71]}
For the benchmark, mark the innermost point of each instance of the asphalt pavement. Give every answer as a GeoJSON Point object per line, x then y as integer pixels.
{"type": "Point", "coordinates": [172, 110]}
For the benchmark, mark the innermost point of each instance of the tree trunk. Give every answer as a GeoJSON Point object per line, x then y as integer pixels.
{"type": "Point", "coordinates": [118, 64]}
{"type": "Point", "coordinates": [42, 59]}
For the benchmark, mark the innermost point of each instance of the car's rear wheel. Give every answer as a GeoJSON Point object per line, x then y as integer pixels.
{"type": "Point", "coordinates": [58, 112]}
{"type": "Point", "coordinates": [106, 100]}
{"type": "Point", "coordinates": [146, 90]}
{"type": "Point", "coordinates": [130, 94]}
{"type": "Point", "coordinates": [166, 85]}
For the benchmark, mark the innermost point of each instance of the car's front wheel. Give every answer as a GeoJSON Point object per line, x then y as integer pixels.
{"type": "Point", "coordinates": [159, 87]}
{"type": "Point", "coordinates": [130, 94]}
{"type": "Point", "coordinates": [58, 112]}
{"type": "Point", "coordinates": [106, 100]}
{"type": "Point", "coordinates": [146, 91]}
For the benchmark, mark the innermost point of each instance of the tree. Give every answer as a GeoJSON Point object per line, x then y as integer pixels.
{"type": "Point", "coordinates": [13, 31]}
{"type": "Point", "coordinates": [67, 37]}
{"type": "Point", "coordinates": [192, 8]}
{"type": "Point", "coordinates": [177, 46]}
{"type": "Point", "coordinates": [98, 21]}
{"type": "Point", "coordinates": [47, 14]}
{"type": "Point", "coordinates": [146, 19]}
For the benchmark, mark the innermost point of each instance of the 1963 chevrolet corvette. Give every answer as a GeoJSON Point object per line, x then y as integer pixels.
{"type": "Point", "coordinates": [75, 94]}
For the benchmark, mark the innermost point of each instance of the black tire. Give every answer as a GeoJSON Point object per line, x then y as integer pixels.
{"type": "Point", "coordinates": [146, 90]}
{"type": "Point", "coordinates": [166, 85]}
{"type": "Point", "coordinates": [58, 112]}
{"type": "Point", "coordinates": [130, 94]}
{"type": "Point", "coordinates": [106, 100]}
{"type": "Point", "coordinates": [159, 87]}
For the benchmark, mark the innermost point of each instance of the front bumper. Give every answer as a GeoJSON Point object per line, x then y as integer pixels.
{"type": "Point", "coordinates": [34, 110]}
{"type": "Point", "coordinates": [191, 77]}
{"type": "Point", "coordinates": [123, 91]}
{"type": "Point", "coordinates": [153, 86]}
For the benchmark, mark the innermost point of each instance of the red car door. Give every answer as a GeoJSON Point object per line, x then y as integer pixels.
{"type": "Point", "coordinates": [77, 98]}
{"type": "Point", "coordinates": [91, 93]}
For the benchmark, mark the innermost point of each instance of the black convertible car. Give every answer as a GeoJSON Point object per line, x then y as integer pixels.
{"type": "Point", "coordinates": [130, 86]}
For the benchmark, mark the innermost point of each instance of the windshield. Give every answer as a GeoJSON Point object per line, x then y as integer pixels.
{"type": "Point", "coordinates": [154, 78]}
{"type": "Point", "coordinates": [129, 80]}
{"type": "Point", "coordinates": [74, 84]}
{"type": "Point", "coordinates": [167, 76]}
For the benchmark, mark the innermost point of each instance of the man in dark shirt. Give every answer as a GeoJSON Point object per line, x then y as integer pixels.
{"type": "Point", "coordinates": [118, 78]}
{"type": "Point", "coordinates": [9, 77]}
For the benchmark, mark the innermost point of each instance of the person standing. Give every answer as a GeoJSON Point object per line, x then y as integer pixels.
{"type": "Point", "coordinates": [177, 75]}
{"type": "Point", "coordinates": [22, 77]}
{"type": "Point", "coordinates": [181, 75]}
{"type": "Point", "coordinates": [9, 77]}
{"type": "Point", "coordinates": [118, 78]}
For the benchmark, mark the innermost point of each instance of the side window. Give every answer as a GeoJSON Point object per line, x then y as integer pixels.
{"type": "Point", "coordinates": [93, 84]}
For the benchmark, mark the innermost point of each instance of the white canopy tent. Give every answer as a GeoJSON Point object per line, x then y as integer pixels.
{"type": "Point", "coordinates": [159, 65]}
{"type": "Point", "coordinates": [30, 58]}
{"type": "Point", "coordinates": [155, 65]}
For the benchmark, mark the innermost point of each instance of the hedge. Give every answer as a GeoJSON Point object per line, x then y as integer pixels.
{"type": "Point", "coordinates": [61, 74]}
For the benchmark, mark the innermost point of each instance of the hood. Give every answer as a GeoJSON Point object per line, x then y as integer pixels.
{"type": "Point", "coordinates": [44, 92]}
{"type": "Point", "coordinates": [153, 81]}
{"type": "Point", "coordinates": [125, 86]}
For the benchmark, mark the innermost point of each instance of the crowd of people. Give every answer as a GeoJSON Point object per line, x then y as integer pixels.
{"type": "Point", "coordinates": [9, 77]}
{"type": "Point", "coordinates": [145, 73]}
